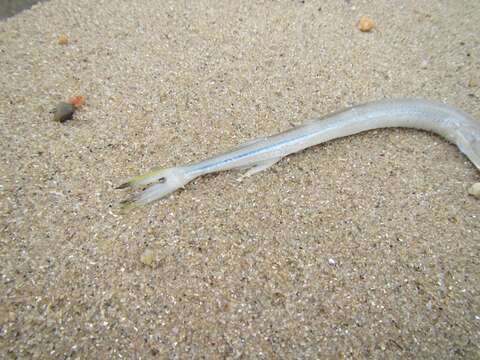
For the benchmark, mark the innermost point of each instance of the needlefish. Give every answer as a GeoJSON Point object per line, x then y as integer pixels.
{"type": "Point", "coordinates": [259, 154]}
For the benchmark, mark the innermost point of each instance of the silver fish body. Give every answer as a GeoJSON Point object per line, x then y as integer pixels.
{"type": "Point", "coordinates": [453, 124]}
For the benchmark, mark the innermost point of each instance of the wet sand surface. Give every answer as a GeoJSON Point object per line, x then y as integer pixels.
{"type": "Point", "coordinates": [11, 7]}
{"type": "Point", "coordinates": [364, 247]}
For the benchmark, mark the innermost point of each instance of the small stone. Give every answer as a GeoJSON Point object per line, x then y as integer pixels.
{"type": "Point", "coordinates": [424, 64]}
{"type": "Point", "coordinates": [148, 257]}
{"type": "Point", "coordinates": [474, 190]}
{"type": "Point", "coordinates": [332, 262]}
{"type": "Point", "coordinates": [365, 24]}
{"type": "Point", "coordinates": [472, 83]}
{"type": "Point", "coordinates": [63, 112]}
{"type": "Point", "coordinates": [63, 39]}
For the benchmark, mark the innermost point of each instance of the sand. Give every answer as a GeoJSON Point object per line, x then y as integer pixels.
{"type": "Point", "coordinates": [364, 247]}
{"type": "Point", "coordinates": [11, 7]}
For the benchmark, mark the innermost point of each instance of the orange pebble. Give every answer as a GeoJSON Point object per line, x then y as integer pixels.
{"type": "Point", "coordinates": [63, 39]}
{"type": "Point", "coordinates": [77, 101]}
{"type": "Point", "coordinates": [365, 24]}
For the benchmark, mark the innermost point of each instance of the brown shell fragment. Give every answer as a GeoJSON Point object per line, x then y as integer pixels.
{"type": "Point", "coordinates": [77, 101]}
{"type": "Point", "coordinates": [63, 112]}
{"type": "Point", "coordinates": [365, 24]}
{"type": "Point", "coordinates": [63, 39]}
